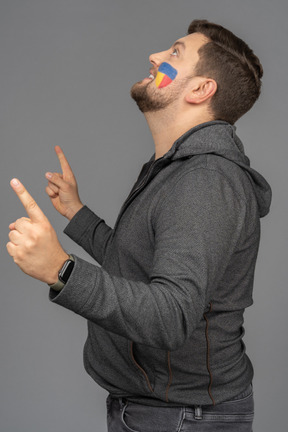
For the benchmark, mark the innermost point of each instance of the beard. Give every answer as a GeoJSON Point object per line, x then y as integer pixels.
{"type": "Point", "coordinates": [150, 99]}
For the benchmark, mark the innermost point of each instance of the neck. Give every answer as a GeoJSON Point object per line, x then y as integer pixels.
{"type": "Point", "coordinates": [167, 127]}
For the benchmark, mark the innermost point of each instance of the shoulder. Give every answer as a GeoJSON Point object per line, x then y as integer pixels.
{"type": "Point", "coordinates": [208, 171]}
{"type": "Point", "coordinates": [205, 169]}
{"type": "Point", "coordinates": [196, 185]}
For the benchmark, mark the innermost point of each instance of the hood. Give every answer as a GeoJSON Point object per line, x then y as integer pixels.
{"type": "Point", "coordinates": [219, 138]}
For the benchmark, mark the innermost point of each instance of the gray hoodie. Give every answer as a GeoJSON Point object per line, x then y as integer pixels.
{"type": "Point", "coordinates": [165, 307]}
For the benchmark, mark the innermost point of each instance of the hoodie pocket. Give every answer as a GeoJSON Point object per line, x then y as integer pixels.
{"type": "Point", "coordinates": [140, 369]}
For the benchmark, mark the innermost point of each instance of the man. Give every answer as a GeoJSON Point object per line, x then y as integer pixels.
{"type": "Point", "coordinates": [165, 309]}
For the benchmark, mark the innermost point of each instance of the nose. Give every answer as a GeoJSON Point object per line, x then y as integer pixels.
{"type": "Point", "coordinates": [157, 58]}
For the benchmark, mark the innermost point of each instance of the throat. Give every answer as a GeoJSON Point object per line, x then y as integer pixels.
{"type": "Point", "coordinates": [163, 132]}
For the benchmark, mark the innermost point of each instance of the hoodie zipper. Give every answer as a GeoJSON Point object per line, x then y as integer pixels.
{"type": "Point", "coordinates": [141, 184]}
{"type": "Point", "coordinates": [135, 191]}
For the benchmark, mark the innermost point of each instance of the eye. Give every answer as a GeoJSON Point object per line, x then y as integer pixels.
{"type": "Point", "coordinates": [174, 52]}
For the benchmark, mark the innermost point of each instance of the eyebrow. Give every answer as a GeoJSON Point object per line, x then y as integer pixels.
{"type": "Point", "coordinates": [182, 44]}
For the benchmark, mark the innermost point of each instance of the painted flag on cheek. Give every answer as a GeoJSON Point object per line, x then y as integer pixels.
{"type": "Point", "coordinates": [165, 75]}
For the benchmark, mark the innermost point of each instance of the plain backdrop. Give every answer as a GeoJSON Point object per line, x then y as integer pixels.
{"type": "Point", "coordinates": [66, 68]}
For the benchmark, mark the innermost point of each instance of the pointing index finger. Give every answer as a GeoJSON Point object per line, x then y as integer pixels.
{"type": "Point", "coordinates": [66, 169]}
{"type": "Point", "coordinates": [30, 205]}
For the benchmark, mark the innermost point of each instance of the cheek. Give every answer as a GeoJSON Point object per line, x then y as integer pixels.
{"type": "Point", "coordinates": [165, 75]}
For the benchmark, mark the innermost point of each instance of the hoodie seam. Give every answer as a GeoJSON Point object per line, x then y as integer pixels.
{"type": "Point", "coordinates": [208, 353]}
{"type": "Point", "coordinates": [170, 375]}
{"type": "Point", "coordinates": [230, 184]}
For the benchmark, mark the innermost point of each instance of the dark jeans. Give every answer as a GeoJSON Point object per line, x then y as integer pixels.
{"type": "Point", "coordinates": [235, 415]}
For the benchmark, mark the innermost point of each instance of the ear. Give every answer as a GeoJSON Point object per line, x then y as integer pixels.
{"type": "Point", "coordinates": [200, 90]}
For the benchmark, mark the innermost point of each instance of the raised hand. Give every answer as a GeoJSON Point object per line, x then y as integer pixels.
{"type": "Point", "coordinates": [62, 188]}
{"type": "Point", "coordinates": [34, 244]}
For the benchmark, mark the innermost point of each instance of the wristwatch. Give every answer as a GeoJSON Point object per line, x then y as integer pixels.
{"type": "Point", "coordinates": [63, 274]}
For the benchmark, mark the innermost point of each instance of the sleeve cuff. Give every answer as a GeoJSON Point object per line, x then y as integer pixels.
{"type": "Point", "coordinates": [79, 287]}
{"type": "Point", "coordinates": [80, 223]}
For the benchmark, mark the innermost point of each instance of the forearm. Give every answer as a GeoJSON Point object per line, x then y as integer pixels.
{"type": "Point", "coordinates": [159, 314]}
{"type": "Point", "coordinates": [90, 232]}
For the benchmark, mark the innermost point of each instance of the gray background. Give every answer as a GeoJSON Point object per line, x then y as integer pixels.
{"type": "Point", "coordinates": [66, 68]}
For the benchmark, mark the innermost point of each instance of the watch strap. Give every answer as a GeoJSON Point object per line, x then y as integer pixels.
{"type": "Point", "coordinates": [57, 286]}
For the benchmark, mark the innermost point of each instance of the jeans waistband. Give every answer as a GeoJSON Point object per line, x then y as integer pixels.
{"type": "Point", "coordinates": [193, 408]}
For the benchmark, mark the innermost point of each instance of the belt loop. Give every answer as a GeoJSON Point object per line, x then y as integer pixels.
{"type": "Point", "coordinates": [198, 415]}
{"type": "Point", "coordinates": [121, 403]}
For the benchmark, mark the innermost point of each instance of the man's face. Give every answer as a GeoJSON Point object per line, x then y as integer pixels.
{"type": "Point", "coordinates": [159, 90]}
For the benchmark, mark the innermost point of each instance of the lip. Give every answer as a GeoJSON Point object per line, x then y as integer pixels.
{"type": "Point", "coordinates": [147, 79]}
{"type": "Point", "coordinates": [150, 79]}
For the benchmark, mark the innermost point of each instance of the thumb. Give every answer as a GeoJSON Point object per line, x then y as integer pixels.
{"type": "Point", "coordinates": [56, 179]}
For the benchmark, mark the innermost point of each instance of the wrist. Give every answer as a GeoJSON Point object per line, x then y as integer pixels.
{"type": "Point", "coordinates": [53, 277]}
{"type": "Point", "coordinates": [71, 212]}
{"type": "Point", "coordinates": [63, 273]}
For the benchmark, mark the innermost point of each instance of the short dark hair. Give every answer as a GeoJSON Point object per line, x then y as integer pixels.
{"type": "Point", "coordinates": [234, 66]}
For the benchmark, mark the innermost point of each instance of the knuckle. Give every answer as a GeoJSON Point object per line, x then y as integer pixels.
{"type": "Point", "coordinates": [30, 243]}
{"type": "Point", "coordinates": [49, 191]}
{"type": "Point", "coordinates": [19, 256]}
{"type": "Point", "coordinates": [21, 191]}
{"type": "Point", "coordinates": [17, 223]}
{"type": "Point", "coordinates": [56, 176]}
{"type": "Point", "coordinates": [54, 187]}
{"type": "Point", "coordinates": [35, 234]}
{"type": "Point", "coordinates": [20, 222]}
{"type": "Point", "coordinates": [31, 205]}
{"type": "Point", "coordinates": [46, 226]}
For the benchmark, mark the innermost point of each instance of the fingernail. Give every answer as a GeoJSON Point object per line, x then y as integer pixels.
{"type": "Point", "coordinates": [15, 182]}
{"type": "Point", "coordinates": [48, 175]}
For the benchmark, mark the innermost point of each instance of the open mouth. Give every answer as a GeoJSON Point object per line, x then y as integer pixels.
{"type": "Point", "coordinates": [151, 77]}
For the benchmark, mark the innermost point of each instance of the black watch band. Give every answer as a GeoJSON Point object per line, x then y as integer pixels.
{"type": "Point", "coordinates": [64, 274]}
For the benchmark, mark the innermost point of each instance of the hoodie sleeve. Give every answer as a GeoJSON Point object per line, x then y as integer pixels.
{"type": "Point", "coordinates": [197, 225]}
{"type": "Point", "coordinates": [90, 232]}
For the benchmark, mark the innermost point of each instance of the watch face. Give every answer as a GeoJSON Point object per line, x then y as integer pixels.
{"type": "Point", "coordinates": [66, 271]}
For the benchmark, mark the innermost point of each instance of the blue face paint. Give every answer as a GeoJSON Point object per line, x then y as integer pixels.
{"type": "Point", "coordinates": [165, 75]}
